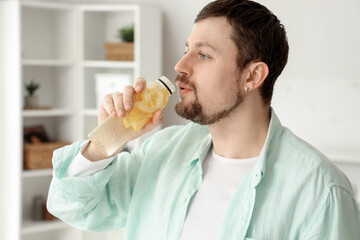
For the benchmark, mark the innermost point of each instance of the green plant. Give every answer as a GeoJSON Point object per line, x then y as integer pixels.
{"type": "Point", "coordinates": [127, 34]}
{"type": "Point", "coordinates": [32, 87]}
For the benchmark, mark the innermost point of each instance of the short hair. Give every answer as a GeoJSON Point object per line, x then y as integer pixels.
{"type": "Point", "coordinates": [258, 35]}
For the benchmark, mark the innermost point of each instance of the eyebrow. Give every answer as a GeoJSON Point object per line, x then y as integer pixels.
{"type": "Point", "coordinates": [202, 44]}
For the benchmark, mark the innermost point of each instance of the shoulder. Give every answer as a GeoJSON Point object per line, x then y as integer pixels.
{"type": "Point", "coordinates": [307, 158]}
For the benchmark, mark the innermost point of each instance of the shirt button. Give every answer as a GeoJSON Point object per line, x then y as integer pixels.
{"type": "Point", "coordinates": [198, 163]}
{"type": "Point", "coordinates": [184, 199]}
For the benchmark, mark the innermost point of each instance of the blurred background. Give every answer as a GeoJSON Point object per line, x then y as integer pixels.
{"type": "Point", "coordinates": [58, 58]}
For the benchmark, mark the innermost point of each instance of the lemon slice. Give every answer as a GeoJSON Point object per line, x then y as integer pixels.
{"type": "Point", "coordinates": [136, 118]}
{"type": "Point", "coordinates": [152, 100]}
{"type": "Point", "coordinates": [146, 104]}
{"type": "Point", "coordinates": [140, 124]}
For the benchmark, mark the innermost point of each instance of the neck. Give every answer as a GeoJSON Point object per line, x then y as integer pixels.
{"type": "Point", "coordinates": [243, 134]}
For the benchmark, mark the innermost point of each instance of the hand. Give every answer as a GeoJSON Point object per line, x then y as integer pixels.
{"type": "Point", "coordinates": [117, 104]}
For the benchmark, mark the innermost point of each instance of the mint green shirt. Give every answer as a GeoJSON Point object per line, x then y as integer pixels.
{"type": "Point", "coordinates": [292, 192]}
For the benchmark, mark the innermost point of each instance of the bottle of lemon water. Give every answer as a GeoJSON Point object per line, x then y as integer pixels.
{"type": "Point", "coordinates": [111, 135]}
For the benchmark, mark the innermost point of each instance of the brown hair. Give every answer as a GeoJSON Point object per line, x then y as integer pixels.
{"type": "Point", "coordinates": [258, 35]}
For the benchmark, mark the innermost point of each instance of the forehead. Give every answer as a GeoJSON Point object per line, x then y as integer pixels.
{"type": "Point", "coordinates": [215, 31]}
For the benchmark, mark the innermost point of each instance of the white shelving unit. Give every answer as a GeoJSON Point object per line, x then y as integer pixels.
{"type": "Point", "coordinates": [53, 63]}
{"type": "Point", "coordinates": [47, 113]}
{"type": "Point", "coordinates": [61, 46]}
{"type": "Point", "coordinates": [48, 55]}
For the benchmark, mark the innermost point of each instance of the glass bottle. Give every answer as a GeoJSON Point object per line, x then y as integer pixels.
{"type": "Point", "coordinates": [112, 134]}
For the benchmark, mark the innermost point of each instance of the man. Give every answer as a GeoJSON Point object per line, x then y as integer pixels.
{"type": "Point", "coordinates": [234, 173]}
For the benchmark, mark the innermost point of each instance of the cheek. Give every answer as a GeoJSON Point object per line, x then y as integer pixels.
{"type": "Point", "coordinates": [217, 96]}
{"type": "Point", "coordinates": [218, 84]}
{"type": "Point", "coordinates": [226, 84]}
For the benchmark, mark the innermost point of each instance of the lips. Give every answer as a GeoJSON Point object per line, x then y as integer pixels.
{"type": "Point", "coordinates": [183, 88]}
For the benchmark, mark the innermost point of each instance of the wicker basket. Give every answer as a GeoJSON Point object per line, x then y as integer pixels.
{"type": "Point", "coordinates": [120, 51]}
{"type": "Point", "coordinates": [39, 156]}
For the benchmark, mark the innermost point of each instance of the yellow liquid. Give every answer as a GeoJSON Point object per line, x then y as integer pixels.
{"type": "Point", "coordinates": [146, 104]}
{"type": "Point", "coordinates": [115, 132]}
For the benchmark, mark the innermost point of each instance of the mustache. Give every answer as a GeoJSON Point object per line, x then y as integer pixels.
{"type": "Point", "coordinates": [185, 80]}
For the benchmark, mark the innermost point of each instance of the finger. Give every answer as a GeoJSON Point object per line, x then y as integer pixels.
{"type": "Point", "coordinates": [108, 105]}
{"type": "Point", "coordinates": [158, 117]}
{"type": "Point", "coordinates": [128, 96]}
{"type": "Point", "coordinates": [102, 115]}
{"type": "Point", "coordinates": [140, 84]}
{"type": "Point", "coordinates": [155, 121]}
{"type": "Point", "coordinates": [118, 102]}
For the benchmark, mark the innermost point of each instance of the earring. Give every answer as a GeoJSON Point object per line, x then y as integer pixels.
{"type": "Point", "coordinates": [247, 90]}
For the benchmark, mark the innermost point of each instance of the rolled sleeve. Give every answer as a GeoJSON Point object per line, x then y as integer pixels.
{"type": "Point", "coordinates": [82, 167]}
{"type": "Point", "coordinates": [98, 202]}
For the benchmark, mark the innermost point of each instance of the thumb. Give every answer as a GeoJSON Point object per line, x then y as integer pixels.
{"type": "Point", "coordinates": [156, 120]}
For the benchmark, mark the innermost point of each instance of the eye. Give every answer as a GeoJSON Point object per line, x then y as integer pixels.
{"type": "Point", "coordinates": [203, 56]}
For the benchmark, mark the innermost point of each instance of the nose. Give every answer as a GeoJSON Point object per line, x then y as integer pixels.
{"type": "Point", "coordinates": [184, 65]}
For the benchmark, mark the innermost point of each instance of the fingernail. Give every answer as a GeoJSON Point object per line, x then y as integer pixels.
{"type": "Point", "coordinates": [137, 88]}
{"type": "Point", "coordinates": [113, 113]}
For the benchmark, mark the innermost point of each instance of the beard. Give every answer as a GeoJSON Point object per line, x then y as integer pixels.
{"type": "Point", "coordinates": [194, 111]}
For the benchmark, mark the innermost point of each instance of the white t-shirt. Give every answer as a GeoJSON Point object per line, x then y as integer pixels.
{"type": "Point", "coordinates": [221, 177]}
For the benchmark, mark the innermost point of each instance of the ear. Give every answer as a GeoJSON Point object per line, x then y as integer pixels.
{"type": "Point", "coordinates": [257, 73]}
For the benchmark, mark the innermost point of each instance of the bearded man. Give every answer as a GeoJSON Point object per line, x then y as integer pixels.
{"type": "Point", "coordinates": [234, 172]}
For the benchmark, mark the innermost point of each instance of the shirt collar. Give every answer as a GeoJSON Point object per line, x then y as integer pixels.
{"type": "Point", "coordinates": [274, 132]}
{"type": "Point", "coordinates": [203, 149]}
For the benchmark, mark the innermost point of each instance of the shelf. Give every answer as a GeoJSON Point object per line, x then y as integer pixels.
{"type": "Point", "coordinates": [31, 227]}
{"type": "Point", "coordinates": [91, 112]}
{"type": "Point", "coordinates": [109, 64]}
{"type": "Point", "coordinates": [45, 62]}
{"type": "Point", "coordinates": [44, 5]}
{"type": "Point", "coordinates": [47, 113]}
{"type": "Point", "coordinates": [110, 8]}
{"type": "Point", "coordinates": [37, 173]}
